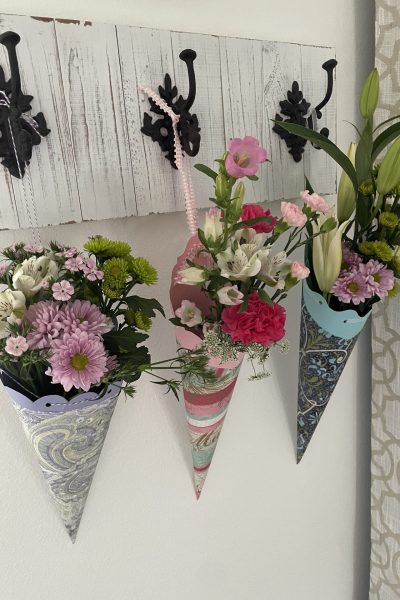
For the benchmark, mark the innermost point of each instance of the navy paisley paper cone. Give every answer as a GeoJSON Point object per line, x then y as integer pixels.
{"type": "Point", "coordinates": [327, 338]}
{"type": "Point", "coordinates": [67, 438]}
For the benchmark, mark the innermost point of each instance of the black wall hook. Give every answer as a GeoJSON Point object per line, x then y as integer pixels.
{"type": "Point", "coordinates": [19, 131]}
{"type": "Point", "coordinates": [161, 130]}
{"type": "Point", "coordinates": [296, 109]}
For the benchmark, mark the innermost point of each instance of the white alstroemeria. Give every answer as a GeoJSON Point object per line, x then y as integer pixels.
{"type": "Point", "coordinates": [189, 314]}
{"type": "Point", "coordinates": [327, 254]}
{"type": "Point", "coordinates": [213, 227]}
{"type": "Point", "coordinates": [242, 259]}
{"type": "Point", "coordinates": [248, 235]}
{"type": "Point", "coordinates": [32, 273]}
{"type": "Point", "coordinates": [192, 276]}
{"type": "Point", "coordinates": [230, 295]}
{"type": "Point", "coordinates": [12, 308]}
{"type": "Point", "coordinates": [273, 268]}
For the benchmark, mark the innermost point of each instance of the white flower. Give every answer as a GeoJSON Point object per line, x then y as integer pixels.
{"type": "Point", "coordinates": [12, 308]}
{"type": "Point", "coordinates": [243, 258]}
{"type": "Point", "coordinates": [213, 228]}
{"type": "Point", "coordinates": [192, 276]}
{"type": "Point", "coordinates": [230, 295]}
{"type": "Point", "coordinates": [189, 314]}
{"type": "Point", "coordinates": [30, 275]}
{"type": "Point", "coordinates": [273, 267]}
{"type": "Point", "coordinates": [327, 254]}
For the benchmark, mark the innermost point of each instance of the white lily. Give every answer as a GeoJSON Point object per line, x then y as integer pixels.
{"type": "Point", "coordinates": [327, 254]}
{"type": "Point", "coordinates": [33, 273]}
{"type": "Point", "coordinates": [213, 227]}
{"type": "Point", "coordinates": [12, 308]}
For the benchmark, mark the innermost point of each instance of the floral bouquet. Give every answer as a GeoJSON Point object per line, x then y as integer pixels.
{"type": "Point", "coordinates": [354, 267]}
{"type": "Point", "coordinates": [228, 286]}
{"type": "Point", "coordinates": [71, 334]}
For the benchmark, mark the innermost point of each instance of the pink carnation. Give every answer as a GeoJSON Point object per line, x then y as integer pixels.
{"type": "Point", "coordinates": [83, 316]}
{"type": "Point", "coordinates": [78, 360]}
{"type": "Point", "coordinates": [299, 271]}
{"type": "Point", "coordinates": [316, 202]}
{"type": "Point", "coordinates": [244, 157]}
{"type": "Point", "coordinates": [260, 323]}
{"type": "Point", "coordinates": [46, 324]}
{"type": "Point", "coordinates": [293, 215]}
{"type": "Point", "coordinates": [253, 211]}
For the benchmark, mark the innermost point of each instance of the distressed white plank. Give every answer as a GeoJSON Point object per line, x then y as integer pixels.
{"type": "Point", "coordinates": [93, 90]}
{"type": "Point", "coordinates": [52, 168]}
{"type": "Point", "coordinates": [242, 90]}
{"type": "Point", "coordinates": [208, 104]}
{"type": "Point", "coordinates": [146, 55]}
{"type": "Point", "coordinates": [282, 66]}
{"type": "Point", "coordinates": [319, 167]}
{"type": "Point", "coordinates": [8, 209]}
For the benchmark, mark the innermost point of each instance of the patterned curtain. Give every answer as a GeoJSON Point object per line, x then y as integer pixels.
{"type": "Point", "coordinates": [385, 489]}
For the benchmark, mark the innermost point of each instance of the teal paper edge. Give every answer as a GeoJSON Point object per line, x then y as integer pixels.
{"type": "Point", "coordinates": [343, 324]}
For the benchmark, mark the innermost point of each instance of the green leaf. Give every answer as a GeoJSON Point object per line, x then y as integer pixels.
{"type": "Point", "coordinates": [363, 154]}
{"type": "Point", "coordinates": [309, 187]}
{"type": "Point", "coordinates": [264, 297]}
{"type": "Point", "coordinates": [329, 147]}
{"type": "Point", "coordinates": [251, 222]}
{"type": "Point", "coordinates": [124, 340]}
{"type": "Point", "coordinates": [384, 138]}
{"type": "Point", "coordinates": [202, 238]}
{"type": "Point", "coordinates": [206, 170]}
{"type": "Point", "coordinates": [363, 210]}
{"type": "Point", "coordinates": [386, 122]}
{"type": "Point", "coordinates": [252, 177]}
{"type": "Point", "coordinates": [144, 305]}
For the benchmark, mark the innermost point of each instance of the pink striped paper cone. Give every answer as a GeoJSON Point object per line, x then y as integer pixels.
{"type": "Point", "coordinates": [206, 404]}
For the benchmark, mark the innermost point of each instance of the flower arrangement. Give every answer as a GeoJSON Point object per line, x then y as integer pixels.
{"type": "Point", "coordinates": [237, 266]}
{"type": "Point", "coordinates": [357, 267]}
{"type": "Point", "coordinates": [353, 267]}
{"type": "Point", "coordinates": [69, 322]}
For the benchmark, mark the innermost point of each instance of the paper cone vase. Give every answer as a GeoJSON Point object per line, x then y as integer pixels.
{"type": "Point", "coordinates": [327, 338]}
{"type": "Point", "coordinates": [67, 438]}
{"type": "Point", "coordinates": [206, 404]}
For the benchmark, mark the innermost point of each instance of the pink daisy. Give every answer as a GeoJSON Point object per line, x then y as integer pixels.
{"type": "Point", "coordinates": [112, 363]}
{"type": "Point", "coordinates": [16, 345]}
{"type": "Point", "coordinates": [83, 316]}
{"type": "Point", "coordinates": [46, 324]}
{"type": "Point", "coordinates": [352, 286]}
{"type": "Point", "coordinates": [78, 360]}
{"type": "Point", "coordinates": [350, 258]}
{"type": "Point", "coordinates": [91, 271]}
{"type": "Point", "coordinates": [62, 290]}
{"type": "Point", "coordinates": [381, 279]}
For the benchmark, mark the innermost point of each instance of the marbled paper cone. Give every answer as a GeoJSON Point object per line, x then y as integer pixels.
{"type": "Point", "coordinates": [67, 438]}
{"type": "Point", "coordinates": [206, 408]}
{"type": "Point", "coordinates": [327, 339]}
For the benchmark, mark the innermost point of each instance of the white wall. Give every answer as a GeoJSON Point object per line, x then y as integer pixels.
{"type": "Point", "coordinates": [264, 528]}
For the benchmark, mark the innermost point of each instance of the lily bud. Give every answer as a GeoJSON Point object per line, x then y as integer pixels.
{"type": "Point", "coordinates": [346, 196]}
{"type": "Point", "coordinates": [327, 254]}
{"type": "Point", "coordinates": [389, 170]}
{"type": "Point", "coordinates": [221, 187]}
{"type": "Point", "coordinates": [370, 94]}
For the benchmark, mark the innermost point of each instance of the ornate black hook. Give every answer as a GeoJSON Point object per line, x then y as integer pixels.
{"type": "Point", "coordinates": [296, 109]}
{"type": "Point", "coordinates": [19, 131]}
{"type": "Point", "coordinates": [161, 130]}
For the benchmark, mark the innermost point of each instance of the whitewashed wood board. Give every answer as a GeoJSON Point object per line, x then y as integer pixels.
{"type": "Point", "coordinates": [96, 163]}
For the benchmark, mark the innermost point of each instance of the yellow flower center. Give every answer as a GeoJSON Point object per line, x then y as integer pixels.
{"type": "Point", "coordinates": [242, 160]}
{"type": "Point", "coordinates": [79, 361]}
{"type": "Point", "coordinates": [377, 277]}
{"type": "Point", "coordinates": [353, 287]}
{"type": "Point", "coordinates": [190, 313]}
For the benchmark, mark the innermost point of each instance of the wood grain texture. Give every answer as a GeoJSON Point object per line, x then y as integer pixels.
{"type": "Point", "coordinates": [52, 168]}
{"type": "Point", "coordinates": [93, 89]}
{"type": "Point", "coordinates": [97, 164]}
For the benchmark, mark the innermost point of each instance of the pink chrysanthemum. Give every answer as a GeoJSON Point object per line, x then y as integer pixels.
{"type": "Point", "coordinates": [381, 279]}
{"type": "Point", "coordinates": [46, 324]}
{"type": "Point", "coordinates": [83, 316]}
{"type": "Point", "coordinates": [352, 286]}
{"type": "Point", "coordinates": [78, 360]}
{"type": "Point", "coordinates": [112, 363]}
{"type": "Point", "coordinates": [350, 258]}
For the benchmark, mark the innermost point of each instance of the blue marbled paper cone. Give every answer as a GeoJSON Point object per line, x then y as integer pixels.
{"type": "Point", "coordinates": [67, 438]}
{"type": "Point", "coordinates": [327, 338]}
